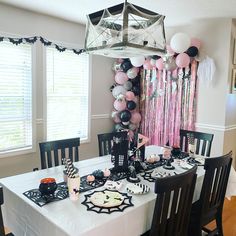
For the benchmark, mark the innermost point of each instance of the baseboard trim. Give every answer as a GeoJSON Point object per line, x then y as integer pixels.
{"type": "Point", "coordinates": [216, 127]}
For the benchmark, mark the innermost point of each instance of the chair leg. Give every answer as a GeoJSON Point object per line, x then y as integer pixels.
{"type": "Point", "coordinates": [219, 224]}
{"type": "Point", "coordinates": [195, 231]}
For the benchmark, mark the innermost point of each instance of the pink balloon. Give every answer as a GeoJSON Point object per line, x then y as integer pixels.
{"type": "Point", "coordinates": [182, 60]}
{"type": "Point", "coordinates": [147, 65]}
{"type": "Point", "coordinates": [160, 64]}
{"type": "Point", "coordinates": [135, 117]}
{"type": "Point", "coordinates": [121, 77]}
{"type": "Point", "coordinates": [120, 105]}
{"type": "Point", "coordinates": [196, 42]}
{"type": "Point", "coordinates": [129, 96]}
{"type": "Point", "coordinates": [170, 50]}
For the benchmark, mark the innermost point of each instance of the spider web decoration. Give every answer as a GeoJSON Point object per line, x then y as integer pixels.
{"type": "Point", "coordinates": [36, 196]}
{"type": "Point", "coordinates": [107, 210]}
{"type": "Point", "coordinates": [147, 176]}
{"type": "Point", "coordinates": [125, 30]}
{"type": "Point", "coordinates": [86, 186]}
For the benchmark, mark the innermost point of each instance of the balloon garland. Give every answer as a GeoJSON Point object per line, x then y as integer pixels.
{"type": "Point", "coordinates": [126, 91]}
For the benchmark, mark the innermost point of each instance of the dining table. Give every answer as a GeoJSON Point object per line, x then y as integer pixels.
{"type": "Point", "coordinates": [67, 217]}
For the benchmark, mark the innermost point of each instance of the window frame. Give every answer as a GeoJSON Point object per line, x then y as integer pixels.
{"type": "Point", "coordinates": [44, 91]}
{"type": "Point", "coordinates": [27, 150]}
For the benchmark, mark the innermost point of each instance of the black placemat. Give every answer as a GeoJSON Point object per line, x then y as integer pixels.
{"type": "Point", "coordinates": [36, 196]}
{"type": "Point", "coordinates": [107, 210]}
{"type": "Point", "coordinates": [62, 190]}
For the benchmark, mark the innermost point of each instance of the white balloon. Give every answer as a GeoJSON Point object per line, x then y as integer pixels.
{"type": "Point", "coordinates": [137, 61]}
{"type": "Point", "coordinates": [180, 42]}
{"type": "Point", "coordinates": [118, 90]}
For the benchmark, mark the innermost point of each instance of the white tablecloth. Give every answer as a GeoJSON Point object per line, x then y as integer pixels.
{"type": "Point", "coordinates": [65, 217]}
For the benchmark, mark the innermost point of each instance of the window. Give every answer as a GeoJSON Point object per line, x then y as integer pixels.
{"type": "Point", "coordinates": [67, 95]}
{"type": "Point", "coordinates": [15, 97]}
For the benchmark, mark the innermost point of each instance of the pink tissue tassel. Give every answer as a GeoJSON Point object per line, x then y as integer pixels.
{"type": "Point", "coordinates": [192, 102]}
{"type": "Point", "coordinates": [178, 108]}
{"type": "Point", "coordinates": [172, 109]}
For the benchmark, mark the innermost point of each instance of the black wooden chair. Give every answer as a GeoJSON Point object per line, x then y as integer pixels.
{"type": "Point", "coordinates": [105, 141]}
{"type": "Point", "coordinates": [210, 205]}
{"type": "Point", "coordinates": [203, 142]}
{"type": "Point", "coordinates": [173, 204]}
{"type": "Point", "coordinates": [2, 229]}
{"type": "Point", "coordinates": [53, 153]}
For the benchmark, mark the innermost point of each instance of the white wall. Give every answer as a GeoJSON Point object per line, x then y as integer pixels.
{"type": "Point", "coordinates": [22, 23]}
{"type": "Point", "coordinates": [216, 108]}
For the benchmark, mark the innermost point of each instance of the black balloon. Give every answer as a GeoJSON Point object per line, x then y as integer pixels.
{"type": "Point", "coordinates": [131, 105]}
{"type": "Point", "coordinates": [136, 80]}
{"type": "Point", "coordinates": [155, 57]}
{"type": "Point", "coordinates": [192, 51]}
{"type": "Point", "coordinates": [136, 90]}
{"type": "Point", "coordinates": [126, 65]}
{"type": "Point", "coordinates": [125, 115]}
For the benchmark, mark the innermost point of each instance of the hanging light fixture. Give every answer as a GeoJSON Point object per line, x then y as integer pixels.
{"type": "Point", "coordinates": [125, 30]}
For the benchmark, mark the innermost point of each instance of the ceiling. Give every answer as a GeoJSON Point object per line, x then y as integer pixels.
{"type": "Point", "coordinates": [177, 12]}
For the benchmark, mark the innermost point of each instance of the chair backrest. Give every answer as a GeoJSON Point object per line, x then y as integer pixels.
{"type": "Point", "coordinates": [173, 204]}
{"type": "Point", "coordinates": [214, 186]}
{"type": "Point", "coordinates": [105, 141]}
{"type": "Point", "coordinates": [203, 142]}
{"type": "Point", "coordinates": [53, 153]}
{"type": "Point", "coordinates": [2, 229]}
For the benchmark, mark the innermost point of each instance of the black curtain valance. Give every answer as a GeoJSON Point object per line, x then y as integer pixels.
{"type": "Point", "coordinates": [44, 41]}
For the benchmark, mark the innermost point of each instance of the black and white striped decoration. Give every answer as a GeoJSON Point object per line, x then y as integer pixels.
{"type": "Point", "coordinates": [137, 188]}
{"type": "Point", "coordinates": [70, 169]}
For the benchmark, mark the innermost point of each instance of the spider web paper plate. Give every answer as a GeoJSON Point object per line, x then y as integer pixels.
{"type": "Point", "coordinates": [118, 203]}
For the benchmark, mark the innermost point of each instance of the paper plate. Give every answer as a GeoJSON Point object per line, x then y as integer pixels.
{"type": "Point", "coordinates": [137, 188]}
{"type": "Point", "coordinates": [107, 199]}
{"type": "Point", "coordinates": [200, 159]}
{"type": "Point", "coordinates": [186, 166]}
{"type": "Point", "coordinates": [157, 173]}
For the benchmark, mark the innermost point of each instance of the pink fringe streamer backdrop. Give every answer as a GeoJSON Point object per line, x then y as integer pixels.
{"type": "Point", "coordinates": [168, 104]}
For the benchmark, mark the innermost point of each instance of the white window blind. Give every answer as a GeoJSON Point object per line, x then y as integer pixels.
{"type": "Point", "coordinates": [67, 95]}
{"type": "Point", "coordinates": [15, 97]}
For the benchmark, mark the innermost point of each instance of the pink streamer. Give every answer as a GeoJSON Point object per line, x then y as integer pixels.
{"type": "Point", "coordinates": [173, 106]}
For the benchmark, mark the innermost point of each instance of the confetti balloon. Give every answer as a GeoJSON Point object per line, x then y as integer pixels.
{"type": "Point", "coordinates": [132, 72]}
{"type": "Point", "coordinates": [128, 85]}
{"type": "Point", "coordinates": [118, 90]}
